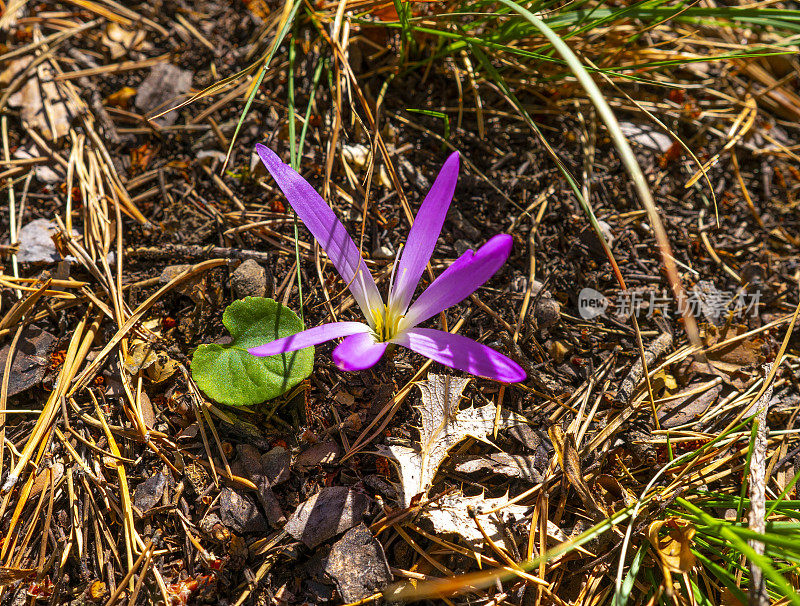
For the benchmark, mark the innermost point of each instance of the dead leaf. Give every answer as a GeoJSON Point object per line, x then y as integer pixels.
{"type": "Point", "coordinates": [443, 426]}
{"type": "Point", "coordinates": [119, 40]}
{"type": "Point", "coordinates": [142, 356]}
{"type": "Point", "coordinates": [259, 8]}
{"type": "Point", "coordinates": [450, 515]}
{"type": "Point", "coordinates": [162, 368]}
{"type": "Point", "coordinates": [688, 405]}
{"type": "Point", "coordinates": [121, 98]}
{"type": "Point", "coordinates": [513, 466]}
{"type": "Point", "coordinates": [675, 549]}
{"type": "Point", "coordinates": [613, 494]}
{"type": "Point", "coordinates": [570, 462]}
{"type": "Point", "coordinates": [42, 102]}
{"type": "Point", "coordinates": [727, 598]}
{"type": "Point", "coordinates": [744, 352]}
{"type": "Point", "coordinates": [148, 412]}
{"type": "Point", "coordinates": [46, 477]}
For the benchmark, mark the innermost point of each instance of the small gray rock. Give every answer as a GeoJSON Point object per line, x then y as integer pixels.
{"type": "Point", "coordinates": [357, 564]}
{"type": "Point", "coordinates": [187, 288]}
{"type": "Point", "coordinates": [161, 89]}
{"type": "Point", "coordinates": [149, 492]}
{"type": "Point", "coordinates": [324, 453]}
{"type": "Point", "coordinates": [240, 514]}
{"type": "Point", "coordinates": [461, 245]}
{"type": "Point", "coordinates": [42, 172]}
{"type": "Point", "coordinates": [382, 252]}
{"type": "Point", "coordinates": [331, 511]}
{"type": "Point", "coordinates": [256, 471]}
{"type": "Point", "coordinates": [36, 242]}
{"type": "Point", "coordinates": [249, 280]}
{"type": "Point", "coordinates": [547, 313]}
{"type": "Point", "coordinates": [647, 136]}
{"type": "Point", "coordinates": [30, 362]}
{"type": "Point", "coordinates": [590, 239]}
{"type": "Point", "coordinates": [276, 464]}
{"type": "Point", "coordinates": [208, 522]}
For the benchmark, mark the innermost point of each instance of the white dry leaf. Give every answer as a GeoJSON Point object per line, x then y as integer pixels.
{"type": "Point", "coordinates": [43, 102]}
{"type": "Point", "coordinates": [646, 135]}
{"type": "Point", "coordinates": [449, 515]}
{"type": "Point", "coordinates": [443, 426]}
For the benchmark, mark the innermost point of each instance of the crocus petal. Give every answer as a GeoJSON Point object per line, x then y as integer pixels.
{"type": "Point", "coordinates": [423, 235]}
{"type": "Point", "coordinates": [467, 273]}
{"type": "Point", "coordinates": [461, 353]}
{"type": "Point", "coordinates": [312, 336]}
{"type": "Point", "coordinates": [358, 352]}
{"type": "Point", "coordinates": [327, 229]}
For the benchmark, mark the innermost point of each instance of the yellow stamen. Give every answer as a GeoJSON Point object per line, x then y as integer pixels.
{"type": "Point", "coordinates": [386, 323]}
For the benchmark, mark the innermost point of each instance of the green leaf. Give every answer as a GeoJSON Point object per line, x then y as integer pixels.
{"type": "Point", "coordinates": [230, 375]}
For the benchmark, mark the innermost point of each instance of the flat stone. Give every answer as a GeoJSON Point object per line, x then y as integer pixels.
{"type": "Point", "coordinates": [249, 280]}
{"type": "Point", "coordinates": [31, 359]}
{"type": "Point", "coordinates": [262, 476]}
{"type": "Point", "coordinates": [149, 492]}
{"type": "Point", "coordinates": [547, 313]}
{"type": "Point", "coordinates": [647, 136]}
{"type": "Point", "coordinates": [277, 463]}
{"type": "Point", "coordinates": [239, 513]}
{"type": "Point", "coordinates": [272, 508]}
{"type": "Point", "coordinates": [36, 243]}
{"type": "Point", "coordinates": [357, 564]}
{"type": "Point", "coordinates": [162, 89]}
{"type": "Point", "coordinates": [329, 512]}
{"type": "Point", "coordinates": [323, 453]}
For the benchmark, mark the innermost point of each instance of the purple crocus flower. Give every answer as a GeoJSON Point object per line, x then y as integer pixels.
{"type": "Point", "coordinates": [397, 320]}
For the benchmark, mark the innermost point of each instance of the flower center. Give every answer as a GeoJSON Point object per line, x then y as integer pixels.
{"type": "Point", "coordinates": [386, 322]}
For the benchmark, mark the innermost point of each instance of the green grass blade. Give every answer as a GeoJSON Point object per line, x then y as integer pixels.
{"type": "Point", "coordinates": [630, 578]}
{"type": "Point", "coordinates": [260, 77]}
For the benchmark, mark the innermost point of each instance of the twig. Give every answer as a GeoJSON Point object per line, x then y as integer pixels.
{"type": "Point", "coordinates": [758, 461]}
